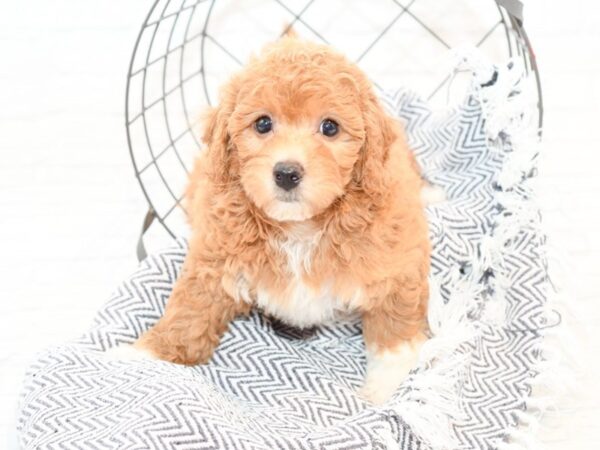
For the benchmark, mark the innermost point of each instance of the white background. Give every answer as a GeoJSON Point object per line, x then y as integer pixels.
{"type": "Point", "coordinates": [70, 207]}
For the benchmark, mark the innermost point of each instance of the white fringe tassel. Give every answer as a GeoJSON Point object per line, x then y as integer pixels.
{"type": "Point", "coordinates": [430, 399]}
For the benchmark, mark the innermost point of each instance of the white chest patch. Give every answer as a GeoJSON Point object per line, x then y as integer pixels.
{"type": "Point", "coordinates": [298, 248]}
{"type": "Point", "coordinates": [301, 305]}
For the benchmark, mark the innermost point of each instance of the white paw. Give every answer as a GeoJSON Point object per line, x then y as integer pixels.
{"type": "Point", "coordinates": [387, 369]}
{"type": "Point", "coordinates": [378, 393]}
{"type": "Point", "coordinates": [430, 195]}
{"type": "Point", "coordinates": [383, 380]}
{"type": "Point", "coordinates": [127, 352]}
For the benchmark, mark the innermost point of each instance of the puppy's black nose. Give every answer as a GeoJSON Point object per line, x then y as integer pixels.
{"type": "Point", "coordinates": [287, 174]}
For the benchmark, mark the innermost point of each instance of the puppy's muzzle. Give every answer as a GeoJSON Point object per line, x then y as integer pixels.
{"type": "Point", "coordinates": [288, 174]}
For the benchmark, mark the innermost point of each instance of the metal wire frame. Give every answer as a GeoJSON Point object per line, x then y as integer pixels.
{"type": "Point", "coordinates": [510, 18]}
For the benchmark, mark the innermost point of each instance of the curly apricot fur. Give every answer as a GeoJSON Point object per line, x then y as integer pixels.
{"type": "Point", "coordinates": [361, 193]}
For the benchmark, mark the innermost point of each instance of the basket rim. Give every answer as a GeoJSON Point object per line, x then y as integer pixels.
{"type": "Point", "coordinates": [511, 15]}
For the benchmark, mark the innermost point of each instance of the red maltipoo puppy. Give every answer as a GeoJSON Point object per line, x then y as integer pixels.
{"type": "Point", "coordinates": [306, 204]}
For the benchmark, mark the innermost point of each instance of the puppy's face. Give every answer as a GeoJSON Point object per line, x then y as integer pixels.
{"type": "Point", "coordinates": [296, 129]}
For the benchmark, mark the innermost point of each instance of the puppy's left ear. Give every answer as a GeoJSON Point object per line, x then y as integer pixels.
{"type": "Point", "coordinates": [381, 131]}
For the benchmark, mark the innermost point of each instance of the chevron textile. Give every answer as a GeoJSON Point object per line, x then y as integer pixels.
{"type": "Point", "coordinates": [270, 386]}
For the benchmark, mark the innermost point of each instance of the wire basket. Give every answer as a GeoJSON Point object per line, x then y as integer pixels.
{"type": "Point", "coordinates": [187, 48]}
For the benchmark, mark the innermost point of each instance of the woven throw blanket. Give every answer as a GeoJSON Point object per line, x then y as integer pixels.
{"type": "Point", "coordinates": [270, 386]}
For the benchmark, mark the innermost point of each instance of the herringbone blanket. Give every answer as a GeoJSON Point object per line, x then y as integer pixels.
{"type": "Point", "coordinates": [270, 386]}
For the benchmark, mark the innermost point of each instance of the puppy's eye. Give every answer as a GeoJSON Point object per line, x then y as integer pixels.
{"type": "Point", "coordinates": [329, 128]}
{"type": "Point", "coordinates": [263, 124]}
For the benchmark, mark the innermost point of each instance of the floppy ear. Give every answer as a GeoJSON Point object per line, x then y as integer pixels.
{"type": "Point", "coordinates": [216, 136]}
{"type": "Point", "coordinates": [380, 134]}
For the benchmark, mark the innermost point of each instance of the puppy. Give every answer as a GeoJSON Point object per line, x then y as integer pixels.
{"type": "Point", "coordinates": [305, 204]}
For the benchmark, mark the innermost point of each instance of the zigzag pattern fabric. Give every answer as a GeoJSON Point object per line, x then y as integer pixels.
{"type": "Point", "coordinates": [271, 386]}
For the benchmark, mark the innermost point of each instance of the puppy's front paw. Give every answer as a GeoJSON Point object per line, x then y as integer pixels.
{"type": "Point", "coordinates": [383, 380]}
{"type": "Point", "coordinates": [387, 369]}
{"type": "Point", "coordinates": [128, 352]}
{"type": "Point", "coordinates": [376, 392]}
{"type": "Point", "coordinates": [431, 195]}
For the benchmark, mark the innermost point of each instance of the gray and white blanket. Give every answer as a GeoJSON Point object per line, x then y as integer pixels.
{"type": "Point", "coordinates": [270, 386]}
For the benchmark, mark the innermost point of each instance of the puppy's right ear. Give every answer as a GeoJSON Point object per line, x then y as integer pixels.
{"type": "Point", "coordinates": [216, 136]}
